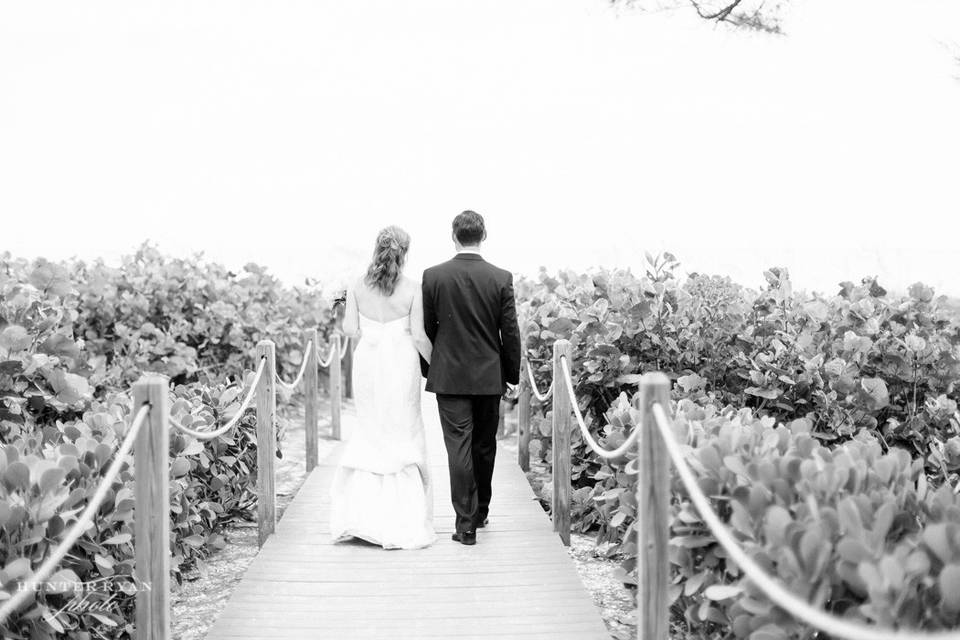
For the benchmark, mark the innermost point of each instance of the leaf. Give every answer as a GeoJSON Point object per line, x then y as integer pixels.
{"type": "Point", "coordinates": [949, 583]}
{"type": "Point", "coordinates": [722, 591]}
{"type": "Point", "coordinates": [775, 524]}
{"type": "Point", "coordinates": [915, 343]}
{"type": "Point", "coordinates": [194, 540]}
{"type": "Point", "coordinates": [107, 620]}
{"type": "Point", "coordinates": [769, 632]}
{"type": "Point", "coordinates": [50, 277]}
{"type": "Point", "coordinates": [874, 393]}
{"type": "Point", "coordinates": [17, 475]}
{"type": "Point", "coordinates": [179, 467]}
{"type": "Point", "coordinates": [70, 387]}
{"type": "Point", "coordinates": [852, 550]}
{"type": "Point", "coordinates": [849, 515]}
{"type": "Point", "coordinates": [193, 448]}
{"type": "Point", "coordinates": [60, 345]}
{"type": "Point", "coordinates": [63, 581]}
{"type": "Point", "coordinates": [692, 542]}
{"type": "Point", "coordinates": [120, 538]}
{"type": "Point", "coordinates": [691, 382]}
{"type": "Point", "coordinates": [921, 292]}
{"type": "Point", "coordinates": [17, 568]}
{"type": "Point", "coordinates": [604, 350]}
{"type": "Point", "coordinates": [769, 393]}
{"type": "Point", "coordinates": [935, 537]}
{"type": "Point", "coordinates": [10, 367]}
{"type": "Point", "coordinates": [561, 325]}
{"type": "Point", "coordinates": [693, 583]}
{"type": "Point", "coordinates": [14, 338]}
{"type": "Point", "coordinates": [52, 479]}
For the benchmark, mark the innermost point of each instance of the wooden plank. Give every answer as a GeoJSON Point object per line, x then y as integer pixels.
{"type": "Point", "coordinates": [517, 582]}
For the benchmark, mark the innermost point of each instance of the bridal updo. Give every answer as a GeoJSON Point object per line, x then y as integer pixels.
{"type": "Point", "coordinates": [388, 258]}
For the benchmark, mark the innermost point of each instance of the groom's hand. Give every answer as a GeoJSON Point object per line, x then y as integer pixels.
{"type": "Point", "coordinates": [424, 367]}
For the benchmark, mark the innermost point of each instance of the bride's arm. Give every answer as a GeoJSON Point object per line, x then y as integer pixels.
{"type": "Point", "coordinates": [351, 315]}
{"type": "Point", "coordinates": [420, 339]}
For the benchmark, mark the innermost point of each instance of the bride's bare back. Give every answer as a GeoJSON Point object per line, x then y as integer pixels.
{"type": "Point", "coordinates": [374, 305]}
{"type": "Point", "coordinates": [406, 299]}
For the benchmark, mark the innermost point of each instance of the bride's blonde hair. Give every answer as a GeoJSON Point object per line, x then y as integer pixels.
{"type": "Point", "coordinates": [389, 256]}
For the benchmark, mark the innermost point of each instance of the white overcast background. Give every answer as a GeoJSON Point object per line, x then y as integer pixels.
{"type": "Point", "coordinates": [287, 133]}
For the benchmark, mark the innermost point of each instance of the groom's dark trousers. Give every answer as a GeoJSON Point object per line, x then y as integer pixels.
{"type": "Point", "coordinates": [470, 433]}
{"type": "Point", "coordinates": [470, 316]}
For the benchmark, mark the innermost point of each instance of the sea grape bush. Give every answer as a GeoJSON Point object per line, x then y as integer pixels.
{"type": "Point", "coordinates": [857, 528]}
{"type": "Point", "coordinates": [47, 479]}
{"type": "Point", "coordinates": [857, 359]}
{"type": "Point", "coordinates": [857, 365]}
{"type": "Point", "coordinates": [189, 319]}
{"type": "Point", "coordinates": [73, 338]}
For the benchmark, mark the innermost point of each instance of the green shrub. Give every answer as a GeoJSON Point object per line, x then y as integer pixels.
{"type": "Point", "coordinates": [860, 373]}
{"type": "Point", "coordinates": [73, 339]}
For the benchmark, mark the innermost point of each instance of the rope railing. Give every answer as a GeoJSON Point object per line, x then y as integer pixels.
{"type": "Point", "coordinates": [83, 522]}
{"type": "Point", "coordinates": [211, 434]}
{"type": "Point", "coordinates": [339, 345]}
{"type": "Point", "coordinates": [541, 397]}
{"type": "Point", "coordinates": [148, 435]}
{"type": "Point", "coordinates": [657, 447]}
{"type": "Point", "coordinates": [593, 444]}
{"type": "Point", "coordinates": [303, 369]}
{"type": "Point", "coordinates": [772, 588]}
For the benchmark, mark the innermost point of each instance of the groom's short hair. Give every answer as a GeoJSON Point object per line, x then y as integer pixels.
{"type": "Point", "coordinates": [468, 228]}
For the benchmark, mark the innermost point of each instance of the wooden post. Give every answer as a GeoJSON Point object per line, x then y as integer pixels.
{"type": "Point", "coordinates": [151, 529]}
{"type": "Point", "coordinates": [266, 443]}
{"type": "Point", "coordinates": [310, 376]}
{"type": "Point", "coordinates": [653, 509]}
{"type": "Point", "coordinates": [562, 413]}
{"type": "Point", "coordinates": [523, 419]}
{"type": "Point", "coordinates": [336, 389]}
{"type": "Point", "coordinates": [346, 372]}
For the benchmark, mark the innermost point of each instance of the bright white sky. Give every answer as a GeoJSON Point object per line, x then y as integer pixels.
{"type": "Point", "coordinates": [288, 133]}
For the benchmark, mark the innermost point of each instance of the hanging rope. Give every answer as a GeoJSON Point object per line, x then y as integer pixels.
{"type": "Point", "coordinates": [209, 435]}
{"type": "Point", "coordinates": [303, 367]}
{"type": "Point", "coordinates": [29, 583]}
{"type": "Point", "coordinates": [600, 451]}
{"type": "Point", "coordinates": [541, 397]}
{"type": "Point", "coordinates": [326, 362]}
{"type": "Point", "coordinates": [797, 607]}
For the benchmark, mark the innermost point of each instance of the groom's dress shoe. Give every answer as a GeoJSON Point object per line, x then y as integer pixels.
{"type": "Point", "coordinates": [465, 537]}
{"type": "Point", "coordinates": [482, 523]}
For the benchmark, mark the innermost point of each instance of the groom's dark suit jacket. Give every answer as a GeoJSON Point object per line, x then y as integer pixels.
{"type": "Point", "coordinates": [470, 316]}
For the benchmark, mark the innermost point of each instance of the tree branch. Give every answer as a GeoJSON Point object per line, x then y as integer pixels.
{"type": "Point", "coordinates": [720, 15]}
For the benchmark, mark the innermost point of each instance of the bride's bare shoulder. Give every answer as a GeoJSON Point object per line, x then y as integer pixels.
{"type": "Point", "coordinates": [359, 284]}
{"type": "Point", "coordinates": [409, 284]}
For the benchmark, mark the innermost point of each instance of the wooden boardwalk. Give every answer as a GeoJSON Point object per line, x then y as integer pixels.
{"type": "Point", "coordinates": [517, 582]}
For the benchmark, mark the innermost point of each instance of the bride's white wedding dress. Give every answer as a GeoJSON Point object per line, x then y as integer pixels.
{"type": "Point", "coordinates": [381, 489]}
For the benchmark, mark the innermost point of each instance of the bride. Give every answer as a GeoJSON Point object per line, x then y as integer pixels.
{"type": "Point", "coordinates": [381, 489]}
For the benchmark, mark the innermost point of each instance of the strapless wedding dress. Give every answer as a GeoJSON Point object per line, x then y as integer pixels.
{"type": "Point", "coordinates": [381, 490]}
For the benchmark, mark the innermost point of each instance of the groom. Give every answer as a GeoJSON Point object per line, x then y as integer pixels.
{"type": "Point", "coordinates": [470, 316]}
